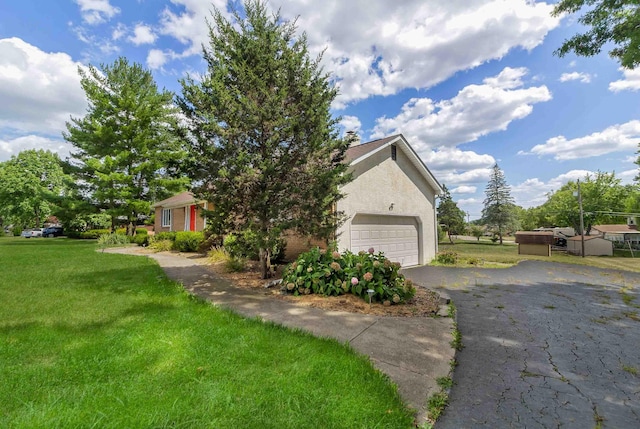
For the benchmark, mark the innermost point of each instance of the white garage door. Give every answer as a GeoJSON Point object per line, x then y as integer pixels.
{"type": "Point", "coordinates": [396, 236]}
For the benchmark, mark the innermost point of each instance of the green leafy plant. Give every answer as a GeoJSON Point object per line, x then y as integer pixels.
{"type": "Point", "coordinates": [329, 272]}
{"type": "Point", "coordinates": [161, 245]}
{"type": "Point", "coordinates": [188, 241]}
{"type": "Point", "coordinates": [234, 264]}
{"type": "Point", "coordinates": [436, 405]}
{"type": "Point", "coordinates": [447, 257]}
{"type": "Point", "coordinates": [166, 235]}
{"type": "Point", "coordinates": [112, 240]}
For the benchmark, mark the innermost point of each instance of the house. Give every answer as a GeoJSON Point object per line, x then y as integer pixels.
{"type": "Point", "coordinates": [624, 235]}
{"type": "Point", "coordinates": [181, 212]}
{"type": "Point", "coordinates": [389, 205]}
{"type": "Point", "coordinates": [593, 246]}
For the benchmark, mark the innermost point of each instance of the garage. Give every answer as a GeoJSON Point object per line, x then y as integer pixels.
{"type": "Point", "coordinates": [396, 236]}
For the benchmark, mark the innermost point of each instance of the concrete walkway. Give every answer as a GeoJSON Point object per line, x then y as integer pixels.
{"type": "Point", "coordinates": [412, 351]}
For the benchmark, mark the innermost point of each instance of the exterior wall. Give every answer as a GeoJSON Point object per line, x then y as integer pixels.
{"type": "Point", "coordinates": [178, 218]}
{"type": "Point", "coordinates": [592, 247]}
{"type": "Point", "coordinates": [297, 244]}
{"type": "Point", "coordinates": [534, 249]}
{"type": "Point", "coordinates": [380, 181]}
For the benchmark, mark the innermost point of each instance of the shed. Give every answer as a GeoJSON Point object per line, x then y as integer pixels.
{"type": "Point", "coordinates": [593, 246]}
{"type": "Point", "coordinates": [534, 242]}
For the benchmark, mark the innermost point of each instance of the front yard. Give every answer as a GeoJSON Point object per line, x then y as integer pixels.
{"type": "Point", "coordinates": [102, 340]}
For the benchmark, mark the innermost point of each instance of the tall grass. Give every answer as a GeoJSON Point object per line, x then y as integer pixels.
{"type": "Point", "coordinates": [102, 340]}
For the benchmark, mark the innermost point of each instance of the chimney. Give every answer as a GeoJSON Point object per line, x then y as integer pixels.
{"type": "Point", "coordinates": [353, 138]}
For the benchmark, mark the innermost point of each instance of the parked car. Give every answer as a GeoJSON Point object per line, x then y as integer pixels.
{"type": "Point", "coordinates": [36, 232]}
{"type": "Point", "coordinates": [26, 233]}
{"type": "Point", "coordinates": [52, 231]}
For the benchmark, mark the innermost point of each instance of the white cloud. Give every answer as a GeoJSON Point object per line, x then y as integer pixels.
{"type": "Point", "coordinates": [475, 111]}
{"type": "Point", "coordinates": [627, 177]}
{"type": "Point", "coordinates": [616, 138]}
{"type": "Point", "coordinates": [11, 147]}
{"type": "Point", "coordinates": [478, 175]}
{"type": "Point", "coordinates": [119, 31]}
{"type": "Point", "coordinates": [456, 159]}
{"type": "Point", "coordinates": [533, 192]}
{"type": "Point", "coordinates": [142, 35]}
{"type": "Point", "coordinates": [351, 123]}
{"type": "Point", "coordinates": [631, 81]}
{"type": "Point", "coordinates": [582, 77]}
{"type": "Point", "coordinates": [156, 59]}
{"type": "Point", "coordinates": [96, 11]}
{"type": "Point", "coordinates": [380, 48]}
{"type": "Point", "coordinates": [39, 90]}
{"type": "Point", "coordinates": [464, 190]}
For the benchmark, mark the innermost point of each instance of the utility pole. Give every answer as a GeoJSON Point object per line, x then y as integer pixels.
{"type": "Point", "coordinates": [581, 218]}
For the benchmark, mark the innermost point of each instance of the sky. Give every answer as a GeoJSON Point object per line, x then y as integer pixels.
{"type": "Point", "coordinates": [468, 83]}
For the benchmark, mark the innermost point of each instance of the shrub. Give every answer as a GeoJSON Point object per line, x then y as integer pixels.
{"type": "Point", "coordinates": [210, 242]}
{"type": "Point", "coordinates": [447, 257]}
{"type": "Point", "coordinates": [333, 273]}
{"type": "Point", "coordinates": [245, 245]}
{"type": "Point", "coordinates": [93, 234]}
{"type": "Point", "coordinates": [218, 254]}
{"type": "Point", "coordinates": [17, 231]}
{"type": "Point", "coordinates": [188, 241]}
{"type": "Point", "coordinates": [142, 239]}
{"type": "Point", "coordinates": [161, 245]}
{"type": "Point", "coordinates": [112, 240]}
{"type": "Point", "coordinates": [160, 236]}
{"type": "Point", "coordinates": [234, 264]}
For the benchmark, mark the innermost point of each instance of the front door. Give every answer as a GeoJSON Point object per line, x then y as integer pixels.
{"type": "Point", "coordinates": [192, 218]}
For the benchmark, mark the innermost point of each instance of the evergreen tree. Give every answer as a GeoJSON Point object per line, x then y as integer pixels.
{"type": "Point", "coordinates": [264, 147]}
{"type": "Point", "coordinates": [127, 150]}
{"type": "Point", "coordinates": [449, 215]}
{"type": "Point", "coordinates": [498, 210]}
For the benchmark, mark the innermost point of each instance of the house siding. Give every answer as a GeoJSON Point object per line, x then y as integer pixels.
{"type": "Point", "coordinates": [379, 181]}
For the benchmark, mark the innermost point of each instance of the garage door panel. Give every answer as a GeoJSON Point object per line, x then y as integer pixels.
{"type": "Point", "coordinates": [396, 236]}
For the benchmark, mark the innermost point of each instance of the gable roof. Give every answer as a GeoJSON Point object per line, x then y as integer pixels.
{"type": "Point", "coordinates": [617, 229]}
{"type": "Point", "coordinates": [586, 238]}
{"type": "Point", "coordinates": [356, 154]}
{"type": "Point", "coordinates": [178, 200]}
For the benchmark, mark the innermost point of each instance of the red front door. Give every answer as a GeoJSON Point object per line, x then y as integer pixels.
{"type": "Point", "coordinates": [192, 218]}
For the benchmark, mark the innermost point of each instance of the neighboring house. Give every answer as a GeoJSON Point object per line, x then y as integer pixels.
{"type": "Point", "coordinates": [182, 212]}
{"type": "Point", "coordinates": [593, 246]}
{"type": "Point", "coordinates": [624, 235]}
{"type": "Point", "coordinates": [390, 203]}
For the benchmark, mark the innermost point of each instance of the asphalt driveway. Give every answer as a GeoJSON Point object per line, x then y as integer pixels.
{"type": "Point", "coordinates": [545, 345]}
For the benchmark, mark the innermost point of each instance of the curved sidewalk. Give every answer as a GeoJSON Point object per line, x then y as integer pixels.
{"type": "Point", "coordinates": [412, 351]}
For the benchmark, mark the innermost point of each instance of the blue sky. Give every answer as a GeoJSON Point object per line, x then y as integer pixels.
{"type": "Point", "coordinates": [468, 83]}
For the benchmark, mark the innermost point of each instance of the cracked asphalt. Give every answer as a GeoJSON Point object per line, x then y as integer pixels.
{"type": "Point", "coordinates": [545, 346]}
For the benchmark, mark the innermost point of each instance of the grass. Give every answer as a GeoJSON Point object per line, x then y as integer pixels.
{"type": "Point", "coordinates": [102, 340]}
{"type": "Point", "coordinates": [496, 256]}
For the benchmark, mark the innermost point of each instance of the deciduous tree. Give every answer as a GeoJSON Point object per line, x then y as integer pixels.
{"type": "Point", "coordinates": [30, 184]}
{"type": "Point", "coordinates": [264, 146]}
{"type": "Point", "coordinates": [127, 150]}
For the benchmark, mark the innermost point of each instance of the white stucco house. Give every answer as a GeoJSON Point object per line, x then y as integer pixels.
{"type": "Point", "coordinates": [390, 204]}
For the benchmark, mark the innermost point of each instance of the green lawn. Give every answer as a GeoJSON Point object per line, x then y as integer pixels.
{"type": "Point", "coordinates": [494, 255]}
{"type": "Point", "coordinates": [102, 340]}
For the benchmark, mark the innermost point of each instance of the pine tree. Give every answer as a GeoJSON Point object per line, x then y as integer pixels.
{"type": "Point", "coordinates": [127, 151]}
{"type": "Point", "coordinates": [263, 145]}
{"type": "Point", "coordinates": [450, 215]}
{"type": "Point", "coordinates": [499, 206]}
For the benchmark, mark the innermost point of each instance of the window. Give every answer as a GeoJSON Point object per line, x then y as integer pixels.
{"type": "Point", "coordinates": [166, 217]}
{"type": "Point", "coordinates": [393, 152]}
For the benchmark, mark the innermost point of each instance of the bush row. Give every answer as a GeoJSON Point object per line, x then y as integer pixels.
{"type": "Point", "coordinates": [333, 273]}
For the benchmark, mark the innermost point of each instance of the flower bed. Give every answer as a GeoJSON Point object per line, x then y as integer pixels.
{"type": "Point", "coordinates": [334, 273]}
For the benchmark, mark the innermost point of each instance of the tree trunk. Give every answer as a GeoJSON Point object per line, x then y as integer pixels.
{"type": "Point", "coordinates": [265, 263]}
{"type": "Point", "coordinates": [450, 237]}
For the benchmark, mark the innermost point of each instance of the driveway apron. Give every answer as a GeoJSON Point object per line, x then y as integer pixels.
{"type": "Point", "coordinates": [545, 345]}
